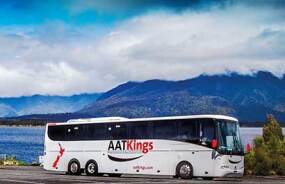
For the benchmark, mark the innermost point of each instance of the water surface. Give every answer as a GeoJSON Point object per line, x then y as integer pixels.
{"type": "Point", "coordinates": [26, 143]}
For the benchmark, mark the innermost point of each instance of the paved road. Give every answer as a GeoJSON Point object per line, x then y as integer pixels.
{"type": "Point", "coordinates": [36, 175]}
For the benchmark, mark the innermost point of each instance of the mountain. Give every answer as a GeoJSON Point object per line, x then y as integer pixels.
{"type": "Point", "coordinates": [44, 104]}
{"type": "Point", "coordinates": [247, 97]}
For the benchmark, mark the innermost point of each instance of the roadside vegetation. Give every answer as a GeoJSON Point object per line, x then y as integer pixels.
{"type": "Point", "coordinates": [267, 156]}
{"type": "Point", "coordinates": [11, 161]}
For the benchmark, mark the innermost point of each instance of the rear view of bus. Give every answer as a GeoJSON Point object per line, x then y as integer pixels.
{"type": "Point", "coordinates": [204, 146]}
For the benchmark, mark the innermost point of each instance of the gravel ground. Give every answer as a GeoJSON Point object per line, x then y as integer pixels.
{"type": "Point", "coordinates": [36, 175]}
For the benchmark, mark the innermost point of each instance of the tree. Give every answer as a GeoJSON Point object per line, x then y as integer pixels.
{"type": "Point", "coordinates": [268, 154]}
{"type": "Point", "coordinates": [262, 161]}
{"type": "Point", "coordinates": [272, 129]}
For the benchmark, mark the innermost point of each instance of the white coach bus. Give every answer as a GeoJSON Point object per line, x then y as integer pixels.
{"type": "Point", "coordinates": [183, 146]}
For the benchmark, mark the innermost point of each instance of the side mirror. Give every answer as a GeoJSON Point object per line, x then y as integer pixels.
{"type": "Point", "coordinates": [214, 143]}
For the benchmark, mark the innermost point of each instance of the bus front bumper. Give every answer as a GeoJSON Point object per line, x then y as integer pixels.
{"type": "Point", "coordinates": [232, 173]}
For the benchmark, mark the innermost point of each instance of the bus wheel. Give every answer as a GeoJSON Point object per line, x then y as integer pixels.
{"type": "Point", "coordinates": [184, 170]}
{"type": "Point", "coordinates": [74, 167]}
{"type": "Point", "coordinates": [91, 168]}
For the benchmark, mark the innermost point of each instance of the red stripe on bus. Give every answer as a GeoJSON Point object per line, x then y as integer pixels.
{"type": "Point", "coordinates": [61, 151]}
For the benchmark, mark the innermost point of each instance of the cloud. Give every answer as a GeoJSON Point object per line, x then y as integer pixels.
{"type": "Point", "coordinates": [57, 58]}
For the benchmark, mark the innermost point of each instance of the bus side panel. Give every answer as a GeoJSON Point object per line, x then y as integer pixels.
{"type": "Point", "coordinates": [60, 153]}
{"type": "Point", "coordinates": [163, 161]}
{"type": "Point", "coordinates": [53, 160]}
{"type": "Point", "coordinates": [203, 164]}
{"type": "Point", "coordinates": [199, 157]}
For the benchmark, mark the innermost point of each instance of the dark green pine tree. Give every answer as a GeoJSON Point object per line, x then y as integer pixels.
{"type": "Point", "coordinates": [272, 129]}
{"type": "Point", "coordinates": [268, 154]}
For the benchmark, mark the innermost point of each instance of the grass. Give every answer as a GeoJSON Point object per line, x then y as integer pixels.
{"type": "Point", "coordinates": [12, 161]}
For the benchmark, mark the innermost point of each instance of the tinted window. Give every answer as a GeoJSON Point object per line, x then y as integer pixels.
{"type": "Point", "coordinates": [207, 130]}
{"type": "Point", "coordinates": [97, 131]}
{"type": "Point", "coordinates": [188, 130]}
{"type": "Point", "coordinates": [117, 131]}
{"type": "Point", "coordinates": [56, 133]}
{"type": "Point", "coordinates": [185, 130]}
{"type": "Point", "coordinates": [75, 132]}
{"type": "Point", "coordinates": [140, 130]}
{"type": "Point", "coordinates": [164, 130]}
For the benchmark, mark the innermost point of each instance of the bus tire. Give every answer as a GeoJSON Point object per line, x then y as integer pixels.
{"type": "Point", "coordinates": [91, 168]}
{"type": "Point", "coordinates": [74, 167]}
{"type": "Point", "coordinates": [184, 170]}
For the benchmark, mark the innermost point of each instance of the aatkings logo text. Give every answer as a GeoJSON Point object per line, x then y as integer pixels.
{"type": "Point", "coordinates": [131, 145]}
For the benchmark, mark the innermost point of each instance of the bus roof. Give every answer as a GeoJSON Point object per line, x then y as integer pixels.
{"type": "Point", "coordinates": [122, 119]}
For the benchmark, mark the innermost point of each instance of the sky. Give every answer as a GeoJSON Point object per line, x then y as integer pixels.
{"type": "Point", "coordinates": [64, 47]}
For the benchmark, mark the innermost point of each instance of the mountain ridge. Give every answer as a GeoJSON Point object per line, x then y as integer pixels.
{"type": "Point", "coordinates": [44, 104]}
{"type": "Point", "coordinates": [248, 97]}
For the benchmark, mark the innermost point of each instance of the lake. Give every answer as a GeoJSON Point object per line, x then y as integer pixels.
{"type": "Point", "coordinates": [27, 143]}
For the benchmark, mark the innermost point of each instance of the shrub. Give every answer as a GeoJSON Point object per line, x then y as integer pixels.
{"type": "Point", "coordinates": [268, 154]}
{"type": "Point", "coordinates": [11, 160]}
{"type": "Point", "coordinates": [280, 167]}
{"type": "Point", "coordinates": [263, 163]}
{"type": "Point", "coordinates": [258, 142]}
{"type": "Point", "coordinates": [249, 160]}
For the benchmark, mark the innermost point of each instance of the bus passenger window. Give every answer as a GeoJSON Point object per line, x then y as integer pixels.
{"type": "Point", "coordinates": [164, 130]}
{"type": "Point", "coordinates": [96, 132]}
{"type": "Point", "coordinates": [56, 133]}
{"type": "Point", "coordinates": [117, 131]}
{"type": "Point", "coordinates": [207, 131]}
{"type": "Point", "coordinates": [121, 131]}
{"type": "Point", "coordinates": [139, 130]}
{"type": "Point", "coordinates": [75, 133]}
{"type": "Point", "coordinates": [188, 130]}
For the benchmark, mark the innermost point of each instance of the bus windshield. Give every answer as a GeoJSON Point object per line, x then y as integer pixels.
{"type": "Point", "coordinates": [229, 138]}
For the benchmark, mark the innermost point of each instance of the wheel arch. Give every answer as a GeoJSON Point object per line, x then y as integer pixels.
{"type": "Point", "coordinates": [91, 161]}
{"type": "Point", "coordinates": [71, 161]}
{"type": "Point", "coordinates": [180, 163]}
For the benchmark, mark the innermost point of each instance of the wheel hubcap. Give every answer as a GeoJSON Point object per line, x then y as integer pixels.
{"type": "Point", "coordinates": [185, 170]}
{"type": "Point", "coordinates": [91, 168]}
{"type": "Point", "coordinates": [74, 167]}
